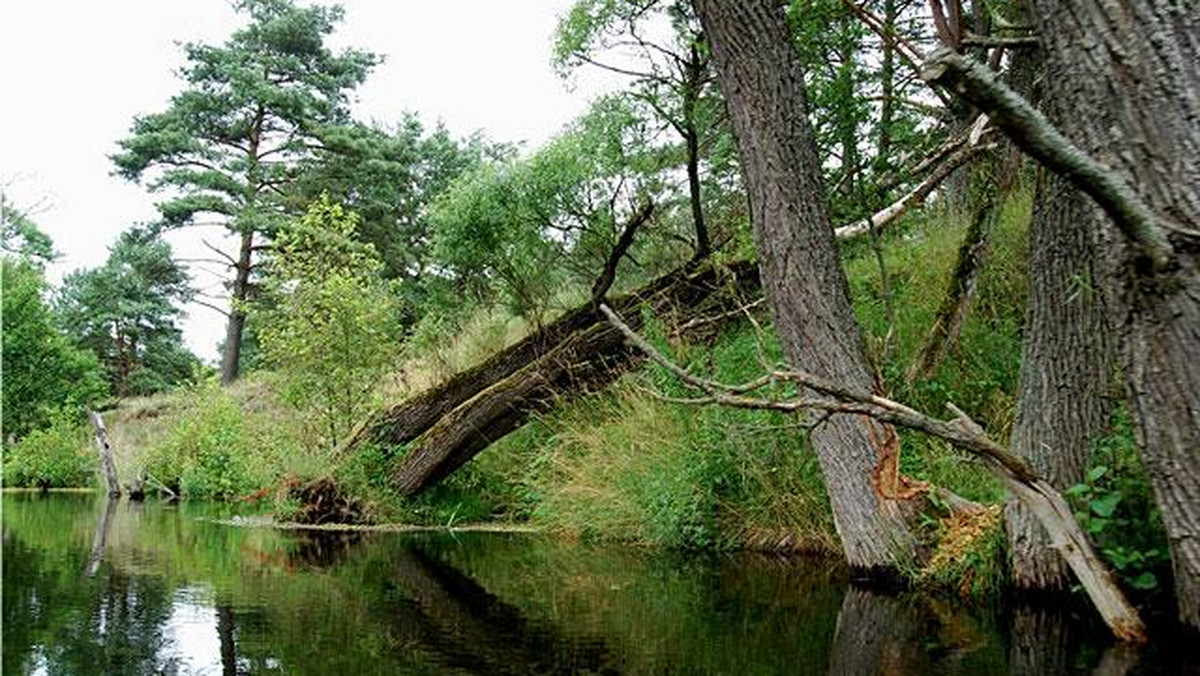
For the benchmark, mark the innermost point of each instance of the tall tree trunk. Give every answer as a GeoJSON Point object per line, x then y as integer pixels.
{"type": "Point", "coordinates": [1066, 360]}
{"type": "Point", "coordinates": [1128, 74]}
{"type": "Point", "coordinates": [231, 353]}
{"type": "Point", "coordinates": [759, 73]}
{"type": "Point", "coordinates": [695, 71]}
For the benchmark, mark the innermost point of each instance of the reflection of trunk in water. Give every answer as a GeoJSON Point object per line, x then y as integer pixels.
{"type": "Point", "coordinates": [908, 634]}
{"type": "Point", "coordinates": [225, 633]}
{"type": "Point", "coordinates": [877, 634]}
{"type": "Point", "coordinates": [471, 629]}
{"type": "Point", "coordinates": [1045, 640]}
{"type": "Point", "coordinates": [318, 549]}
{"type": "Point", "coordinates": [100, 536]}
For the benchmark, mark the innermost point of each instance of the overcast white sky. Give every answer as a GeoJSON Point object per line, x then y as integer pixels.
{"type": "Point", "coordinates": [75, 74]}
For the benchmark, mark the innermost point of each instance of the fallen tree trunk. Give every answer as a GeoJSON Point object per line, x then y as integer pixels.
{"type": "Point", "coordinates": [402, 422]}
{"type": "Point", "coordinates": [952, 312]}
{"type": "Point", "coordinates": [405, 421]}
{"type": "Point", "coordinates": [587, 359]}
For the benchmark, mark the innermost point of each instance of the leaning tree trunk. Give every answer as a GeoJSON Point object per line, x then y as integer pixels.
{"type": "Point", "coordinates": [1063, 402]}
{"type": "Point", "coordinates": [758, 71]}
{"type": "Point", "coordinates": [952, 312]}
{"type": "Point", "coordinates": [584, 361]}
{"type": "Point", "coordinates": [231, 352]}
{"type": "Point", "coordinates": [401, 423]}
{"type": "Point", "coordinates": [1128, 74]}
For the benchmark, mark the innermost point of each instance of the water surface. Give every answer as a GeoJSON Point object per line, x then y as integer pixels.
{"type": "Point", "coordinates": [96, 588]}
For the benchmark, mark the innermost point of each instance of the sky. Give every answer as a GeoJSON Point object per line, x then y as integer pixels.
{"type": "Point", "coordinates": [76, 73]}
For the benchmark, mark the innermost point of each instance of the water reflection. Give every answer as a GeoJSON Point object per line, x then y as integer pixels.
{"type": "Point", "coordinates": [105, 588]}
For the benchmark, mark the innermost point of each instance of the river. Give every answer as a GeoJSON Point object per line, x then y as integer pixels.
{"type": "Point", "coordinates": [93, 588]}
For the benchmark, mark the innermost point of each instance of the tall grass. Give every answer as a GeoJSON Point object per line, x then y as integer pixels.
{"type": "Point", "coordinates": [626, 465]}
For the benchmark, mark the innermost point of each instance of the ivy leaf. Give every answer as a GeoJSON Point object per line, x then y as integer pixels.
{"type": "Point", "coordinates": [1096, 472]}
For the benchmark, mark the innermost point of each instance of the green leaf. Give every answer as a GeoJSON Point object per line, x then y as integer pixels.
{"type": "Point", "coordinates": [1104, 505]}
{"type": "Point", "coordinates": [1146, 580]}
{"type": "Point", "coordinates": [1096, 472]}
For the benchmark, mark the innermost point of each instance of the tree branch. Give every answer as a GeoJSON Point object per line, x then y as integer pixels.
{"type": "Point", "coordinates": [1042, 499]}
{"type": "Point", "coordinates": [1035, 134]}
{"type": "Point", "coordinates": [922, 190]}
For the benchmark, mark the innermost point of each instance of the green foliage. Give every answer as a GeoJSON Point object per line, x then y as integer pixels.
{"type": "Point", "coordinates": [858, 136]}
{"type": "Point", "coordinates": [327, 323]}
{"type": "Point", "coordinates": [54, 456]}
{"type": "Point", "coordinates": [208, 452]}
{"type": "Point", "coordinates": [21, 237]}
{"type": "Point", "coordinates": [43, 372]}
{"type": "Point", "coordinates": [125, 312]}
{"type": "Point", "coordinates": [389, 177]}
{"type": "Point", "coordinates": [1116, 507]}
{"type": "Point", "coordinates": [658, 46]}
{"type": "Point", "coordinates": [231, 139]}
{"type": "Point", "coordinates": [524, 226]}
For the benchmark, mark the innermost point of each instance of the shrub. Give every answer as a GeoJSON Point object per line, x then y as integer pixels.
{"type": "Point", "coordinates": [207, 452]}
{"type": "Point", "coordinates": [1115, 506]}
{"type": "Point", "coordinates": [327, 323]}
{"type": "Point", "coordinates": [56, 456]}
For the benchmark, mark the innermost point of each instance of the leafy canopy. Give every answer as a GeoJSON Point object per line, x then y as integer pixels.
{"type": "Point", "coordinates": [126, 312]}
{"type": "Point", "coordinates": [228, 143]}
{"type": "Point", "coordinates": [327, 322]}
{"type": "Point", "coordinates": [43, 372]}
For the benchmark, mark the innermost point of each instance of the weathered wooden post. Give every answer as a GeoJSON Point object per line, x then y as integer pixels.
{"type": "Point", "coordinates": [106, 455]}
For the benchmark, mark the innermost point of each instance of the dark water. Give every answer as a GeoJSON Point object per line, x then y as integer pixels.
{"type": "Point", "coordinates": [155, 589]}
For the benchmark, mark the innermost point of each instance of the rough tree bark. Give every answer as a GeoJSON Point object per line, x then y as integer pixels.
{"type": "Point", "coordinates": [1066, 361]}
{"type": "Point", "coordinates": [1128, 75]}
{"type": "Point", "coordinates": [1138, 95]}
{"type": "Point", "coordinates": [759, 74]}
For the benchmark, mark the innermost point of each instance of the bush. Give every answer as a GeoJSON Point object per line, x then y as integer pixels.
{"type": "Point", "coordinates": [327, 323]}
{"type": "Point", "coordinates": [1115, 506]}
{"type": "Point", "coordinates": [207, 454]}
{"type": "Point", "coordinates": [56, 456]}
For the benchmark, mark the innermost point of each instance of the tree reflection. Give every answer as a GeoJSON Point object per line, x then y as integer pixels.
{"type": "Point", "coordinates": [471, 629]}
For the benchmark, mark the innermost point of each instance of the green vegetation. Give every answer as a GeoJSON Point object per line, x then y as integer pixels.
{"type": "Point", "coordinates": [55, 456]}
{"type": "Point", "coordinates": [326, 322]}
{"type": "Point", "coordinates": [375, 262]}
{"type": "Point", "coordinates": [126, 313]}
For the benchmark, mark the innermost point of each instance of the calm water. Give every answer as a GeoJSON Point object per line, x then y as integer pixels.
{"type": "Point", "coordinates": [157, 589]}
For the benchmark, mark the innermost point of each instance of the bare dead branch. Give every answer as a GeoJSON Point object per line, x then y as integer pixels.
{"type": "Point", "coordinates": [915, 196]}
{"type": "Point", "coordinates": [1042, 499]}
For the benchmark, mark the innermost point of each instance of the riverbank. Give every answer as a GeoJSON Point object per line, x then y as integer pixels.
{"type": "Point", "coordinates": [625, 465]}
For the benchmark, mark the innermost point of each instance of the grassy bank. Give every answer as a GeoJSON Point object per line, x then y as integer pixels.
{"type": "Point", "coordinates": [623, 464]}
